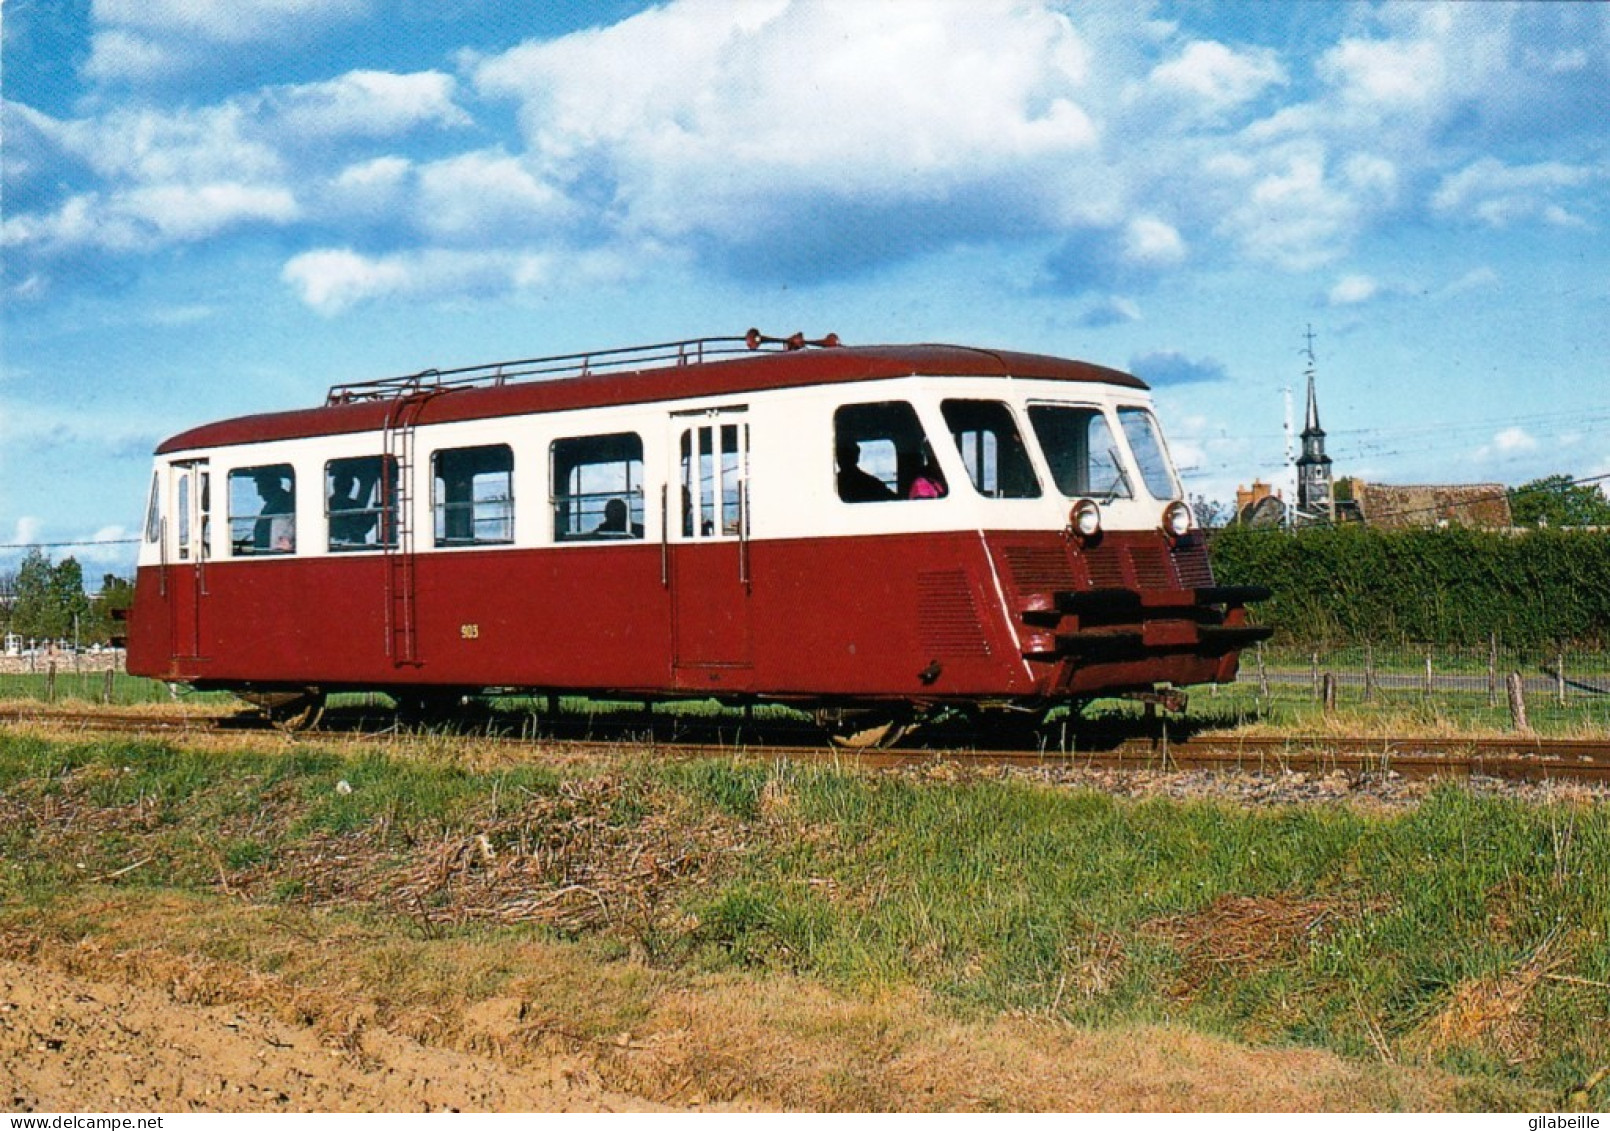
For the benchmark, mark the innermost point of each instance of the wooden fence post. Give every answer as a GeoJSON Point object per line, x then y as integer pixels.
{"type": "Point", "coordinates": [1263, 675]}
{"type": "Point", "coordinates": [1369, 673]}
{"type": "Point", "coordinates": [1330, 693]}
{"type": "Point", "coordinates": [1492, 670]}
{"type": "Point", "coordinates": [1517, 704]}
{"type": "Point", "coordinates": [50, 682]}
{"type": "Point", "coordinates": [1313, 671]}
{"type": "Point", "coordinates": [1559, 674]}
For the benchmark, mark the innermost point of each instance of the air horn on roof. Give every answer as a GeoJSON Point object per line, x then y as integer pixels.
{"type": "Point", "coordinates": [796, 341]}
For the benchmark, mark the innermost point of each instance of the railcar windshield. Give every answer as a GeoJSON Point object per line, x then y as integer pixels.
{"type": "Point", "coordinates": [1146, 443]}
{"type": "Point", "coordinates": [991, 449]}
{"type": "Point", "coordinates": [1083, 453]}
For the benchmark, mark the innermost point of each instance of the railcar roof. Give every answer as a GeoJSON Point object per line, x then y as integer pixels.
{"type": "Point", "coordinates": [738, 374]}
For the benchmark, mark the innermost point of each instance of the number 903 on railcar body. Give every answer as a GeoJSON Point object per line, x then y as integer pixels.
{"type": "Point", "coordinates": [870, 533]}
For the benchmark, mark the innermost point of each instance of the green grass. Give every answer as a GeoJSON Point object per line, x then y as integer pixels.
{"type": "Point", "coordinates": [1469, 932]}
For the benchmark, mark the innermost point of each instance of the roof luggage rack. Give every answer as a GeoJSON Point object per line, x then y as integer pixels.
{"type": "Point", "coordinates": [689, 352]}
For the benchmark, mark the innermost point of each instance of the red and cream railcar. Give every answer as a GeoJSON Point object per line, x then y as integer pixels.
{"type": "Point", "coordinates": [869, 532]}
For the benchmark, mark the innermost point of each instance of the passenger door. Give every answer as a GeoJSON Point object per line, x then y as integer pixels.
{"type": "Point", "coordinates": [706, 535]}
{"type": "Point", "coordinates": [186, 554]}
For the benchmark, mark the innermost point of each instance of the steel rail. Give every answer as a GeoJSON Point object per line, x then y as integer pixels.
{"type": "Point", "coordinates": [1515, 758]}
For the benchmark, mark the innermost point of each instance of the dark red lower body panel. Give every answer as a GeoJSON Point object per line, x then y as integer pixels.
{"type": "Point", "coordinates": [958, 616]}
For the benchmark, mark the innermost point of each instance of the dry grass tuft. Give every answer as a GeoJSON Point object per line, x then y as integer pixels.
{"type": "Point", "coordinates": [1492, 1013]}
{"type": "Point", "coordinates": [1243, 934]}
{"type": "Point", "coordinates": [567, 860]}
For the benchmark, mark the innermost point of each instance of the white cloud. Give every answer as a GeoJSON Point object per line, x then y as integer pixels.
{"type": "Point", "coordinates": [150, 145]}
{"type": "Point", "coordinates": [1151, 242]}
{"type": "Point", "coordinates": [1386, 73]}
{"type": "Point", "coordinates": [806, 139]}
{"type": "Point", "coordinates": [1514, 440]}
{"type": "Point", "coordinates": [145, 41]}
{"type": "Point", "coordinates": [1351, 290]}
{"type": "Point", "coordinates": [1498, 194]}
{"type": "Point", "coordinates": [223, 21]}
{"type": "Point", "coordinates": [150, 216]}
{"type": "Point", "coordinates": [1291, 215]}
{"type": "Point", "coordinates": [119, 54]}
{"type": "Point", "coordinates": [184, 213]}
{"type": "Point", "coordinates": [708, 117]}
{"type": "Point", "coordinates": [1215, 78]}
{"type": "Point", "coordinates": [485, 194]}
{"type": "Point", "coordinates": [1472, 280]}
{"type": "Point", "coordinates": [369, 104]}
{"type": "Point", "coordinates": [28, 530]}
{"type": "Point", "coordinates": [332, 280]}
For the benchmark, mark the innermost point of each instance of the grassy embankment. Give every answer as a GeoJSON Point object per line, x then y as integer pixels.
{"type": "Point", "coordinates": [1454, 953]}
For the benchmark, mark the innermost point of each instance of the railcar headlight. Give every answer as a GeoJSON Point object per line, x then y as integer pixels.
{"type": "Point", "coordinates": [1176, 519]}
{"type": "Point", "coordinates": [1085, 518]}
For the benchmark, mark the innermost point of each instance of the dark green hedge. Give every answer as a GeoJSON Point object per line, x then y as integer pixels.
{"type": "Point", "coordinates": [1351, 584]}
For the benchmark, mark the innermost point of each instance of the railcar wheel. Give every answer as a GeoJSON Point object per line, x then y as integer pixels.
{"type": "Point", "coordinates": [428, 708]}
{"type": "Point", "coordinates": [290, 711]}
{"type": "Point", "coordinates": [864, 730]}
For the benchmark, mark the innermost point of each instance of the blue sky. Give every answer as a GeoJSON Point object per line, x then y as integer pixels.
{"type": "Point", "coordinates": [216, 207]}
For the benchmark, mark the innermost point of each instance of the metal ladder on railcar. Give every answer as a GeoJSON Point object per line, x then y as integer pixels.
{"type": "Point", "coordinates": [397, 446]}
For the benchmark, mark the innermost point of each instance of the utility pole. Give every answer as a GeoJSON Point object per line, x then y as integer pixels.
{"type": "Point", "coordinates": [1289, 511]}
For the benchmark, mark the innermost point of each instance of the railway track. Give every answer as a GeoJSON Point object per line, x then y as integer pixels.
{"type": "Point", "coordinates": [1514, 758]}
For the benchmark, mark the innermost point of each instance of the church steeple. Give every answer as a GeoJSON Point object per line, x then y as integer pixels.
{"type": "Point", "coordinates": [1314, 497]}
{"type": "Point", "coordinates": [1312, 424]}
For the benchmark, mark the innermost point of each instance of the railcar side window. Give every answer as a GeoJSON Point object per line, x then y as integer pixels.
{"type": "Point", "coordinates": [184, 515]}
{"type": "Point", "coordinates": [153, 510]}
{"type": "Point", "coordinates": [1078, 444]}
{"type": "Point", "coordinates": [262, 510]}
{"type": "Point", "coordinates": [474, 495]}
{"type": "Point", "coordinates": [992, 449]}
{"type": "Point", "coordinates": [881, 454]}
{"type": "Point", "coordinates": [598, 487]}
{"type": "Point", "coordinates": [1146, 442]}
{"type": "Point", "coordinates": [361, 502]}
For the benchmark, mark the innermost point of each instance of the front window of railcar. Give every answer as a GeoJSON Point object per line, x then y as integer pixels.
{"type": "Point", "coordinates": [1083, 453]}
{"type": "Point", "coordinates": [1151, 454]}
{"type": "Point", "coordinates": [992, 449]}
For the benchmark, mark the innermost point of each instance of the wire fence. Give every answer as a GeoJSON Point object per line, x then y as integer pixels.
{"type": "Point", "coordinates": [1510, 688]}
{"type": "Point", "coordinates": [1499, 687]}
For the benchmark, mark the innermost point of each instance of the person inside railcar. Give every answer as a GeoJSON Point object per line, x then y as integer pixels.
{"type": "Point", "coordinates": [617, 521]}
{"type": "Point", "coordinates": [352, 522]}
{"type": "Point", "coordinates": [855, 484]}
{"type": "Point", "coordinates": [275, 530]}
{"type": "Point", "coordinates": [929, 482]}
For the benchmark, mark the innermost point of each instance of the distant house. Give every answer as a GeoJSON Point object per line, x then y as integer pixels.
{"type": "Point", "coordinates": [1259, 505]}
{"type": "Point", "coordinates": [1479, 505]}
